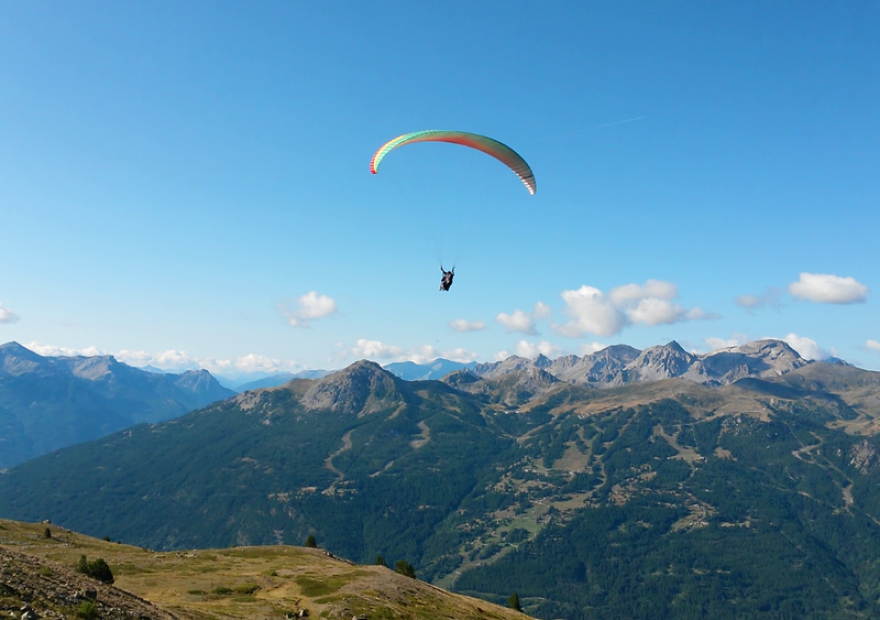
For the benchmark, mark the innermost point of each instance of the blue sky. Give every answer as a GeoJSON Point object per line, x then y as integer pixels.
{"type": "Point", "coordinates": [187, 184]}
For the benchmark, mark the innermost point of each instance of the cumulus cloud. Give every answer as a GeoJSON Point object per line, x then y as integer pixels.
{"type": "Point", "coordinates": [828, 289]}
{"type": "Point", "coordinates": [312, 306]}
{"type": "Point", "coordinates": [873, 344]}
{"type": "Point", "coordinates": [593, 312]}
{"type": "Point", "coordinates": [531, 350]}
{"type": "Point", "coordinates": [461, 325]}
{"type": "Point", "coordinates": [374, 349]}
{"type": "Point", "coordinates": [7, 315]}
{"type": "Point", "coordinates": [634, 293]}
{"type": "Point", "coordinates": [174, 360]}
{"type": "Point", "coordinates": [593, 347]}
{"type": "Point", "coordinates": [524, 322]}
{"type": "Point", "coordinates": [770, 297]}
{"type": "Point", "coordinates": [48, 350]}
{"type": "Point", "coordinates": [255, 363]}
{"type": "Point", "coordinates": [808, 348]}
{"type": "Point", "coordinates": [377, 350]}
{"type": "Point", "coordinates": [722, 343]}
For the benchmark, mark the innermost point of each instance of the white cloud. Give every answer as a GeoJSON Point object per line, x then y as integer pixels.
{"type": "Point", "coordinates": [873, 344]}
{"type": "Point", "coordinates": [629, 293]}
{"type": "Point", "coordinates": [721, 343]}
{"type": "Point", "coordinates": [501, 356]}
{"type": "Point", "coordinates": [311, 306]}
{"type": "Point", "coordinates": [461, 325]}
{"type": "Point", "coordinates": [531, 350]}
{"type": "Point", "coordinates": [656, 311]}
{"type": "Point", "coordinates": [174, 360]}
{"type": "Point", "coordinates": [770, 297]}
{"type": "Point", "coordinates": [374, 349]}
{"type": "Point", "coordinates": [377, 350]}
{"type": "Point", "coordinates": [524, 322]}
{"type": "Point", "coordinates": [593, 312]}
{"type": "Point", "coordinates": [7, 315]}
{"type": "Point", "coordinates": [48, 350]}
{"type": "Point", "coordinates": [808, 348]}
{"type": "Point", "coordinates": [593, 347]}
{"type": "Point", "coordinates": [828, 289]}
{"type": "Point", "coordinates": [256, 363]}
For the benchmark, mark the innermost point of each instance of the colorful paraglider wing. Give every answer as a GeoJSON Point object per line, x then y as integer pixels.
{"type": "Point", "coordinates": [499, 151]}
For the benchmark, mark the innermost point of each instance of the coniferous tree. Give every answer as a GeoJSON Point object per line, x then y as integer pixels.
{"type": "Point", "coordinates": [405, 568]}
{"type": "Point", "coordinates": [311, 542]}
{"type": "Point", "coordinates": [513, 602]}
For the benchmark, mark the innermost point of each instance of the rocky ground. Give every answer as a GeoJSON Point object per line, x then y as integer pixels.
{"type": "Point", "coordinates": [32, 588]}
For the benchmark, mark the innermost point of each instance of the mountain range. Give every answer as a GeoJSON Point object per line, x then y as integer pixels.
{"type": "Point", "coordinates": [47, 403]}
{"type": "Point", "coordinates": [743, 483]}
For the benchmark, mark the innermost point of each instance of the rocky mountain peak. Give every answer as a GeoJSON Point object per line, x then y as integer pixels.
{"type": "Point", "coordinates": [460, 377]}
{"type": "Point", "coordinates": [761, 358]}
{"type": "Point", "coordinates": [362, 388]}
{"type": "Point", "coordinates": [489, 370]}
{"type": "Point", "coordinates": [661, 362]}
{"type": "Point", "coordinates": [90, 368]}
{"type": "Point", "coordinates": [542, 361]}
{"type": "Point", "coordinates": [16, 359]}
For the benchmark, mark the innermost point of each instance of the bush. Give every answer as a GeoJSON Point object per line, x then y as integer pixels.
{"type": "Point", "coordinates": [97, 569]}
{"type": "Point", "coordinates": [311, 542]}
{"type": "Point", "coordinates": [47, 533]}
{"type": "Point", "coordinates": [87, 610]}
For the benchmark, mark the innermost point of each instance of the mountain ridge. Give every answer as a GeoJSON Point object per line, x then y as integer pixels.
{"type": "Point", "coordinates": [48, 403]}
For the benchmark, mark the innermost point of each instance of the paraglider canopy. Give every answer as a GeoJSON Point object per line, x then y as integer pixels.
{"type": "Point", "coordinates": [499, 151]}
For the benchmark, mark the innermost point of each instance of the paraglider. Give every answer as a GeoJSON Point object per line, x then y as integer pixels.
{"type": "Point", "coordinates": [446, 279]}
{"type": "Point", "coordinates": [499, 151]}
{"type": "Point", "coordinates": [494, 148]}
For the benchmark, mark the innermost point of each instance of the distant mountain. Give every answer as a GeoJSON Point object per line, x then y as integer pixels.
{"type": "Point", "coordinates": [280, 378]}
{"type": "Point", "coordinates": [410, 371]}
{"type": "Point", "coordinates": [747, 485]}
{"type": "Point", "coordinates": [622, 365]}
{"type": "Point", "coordinates": [47, 403]}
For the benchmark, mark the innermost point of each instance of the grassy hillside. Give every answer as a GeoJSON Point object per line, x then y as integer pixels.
{"type": "Point", "coordinates": [242, 582]}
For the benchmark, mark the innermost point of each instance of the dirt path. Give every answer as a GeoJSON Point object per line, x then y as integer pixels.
{"type": "Point", "coordinates": [328, 462]}
{"type": "Point", "coordinates": [424, 438]}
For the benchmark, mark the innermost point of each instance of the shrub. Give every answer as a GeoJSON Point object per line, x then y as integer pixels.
{"type": "Point", "coordinates": [97, 569]}
{"type": "Point", "coordinates": [87, 610]}
{"type": "Point", "coordinates": [311, 542]}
